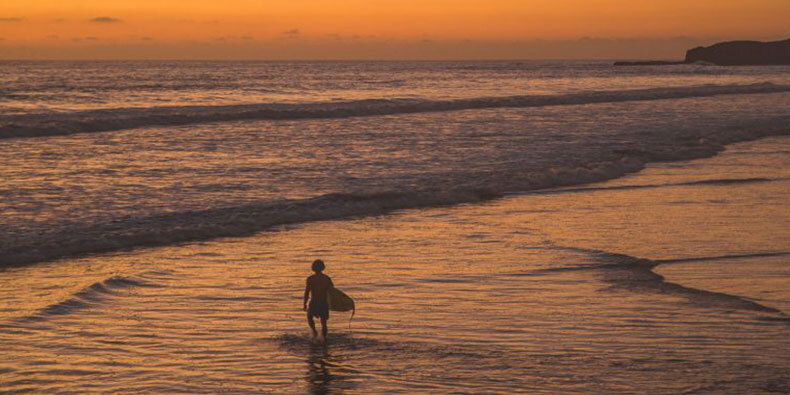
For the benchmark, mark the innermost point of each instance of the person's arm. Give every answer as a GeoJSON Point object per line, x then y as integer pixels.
{"type": "Point", "coordinates": [306, 294]}
{"type": "Point", "coordinates": [331, 284]}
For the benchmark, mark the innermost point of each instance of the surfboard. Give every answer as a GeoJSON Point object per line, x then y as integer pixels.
{"type": "Point", "coordinates": [339, 301]}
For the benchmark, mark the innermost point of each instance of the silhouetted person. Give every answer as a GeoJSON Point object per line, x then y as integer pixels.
{"type": "Point", "coordinates": [318, 285]}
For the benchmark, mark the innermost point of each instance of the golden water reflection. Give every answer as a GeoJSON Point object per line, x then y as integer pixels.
{"type": "Point", "coordinates": [466, 299]}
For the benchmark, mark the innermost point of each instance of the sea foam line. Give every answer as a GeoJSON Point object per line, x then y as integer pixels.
{"type": "Point", "coordinates": [49, 124]}
{"type": "Point", "coordinates": [625, 272]}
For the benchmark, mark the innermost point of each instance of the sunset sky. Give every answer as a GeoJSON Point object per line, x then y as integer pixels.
{"type": "Point", "coordinates": [386, 29]}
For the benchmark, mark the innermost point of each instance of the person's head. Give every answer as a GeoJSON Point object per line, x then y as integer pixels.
{"type": "Point", "coordinates": [318, 266]}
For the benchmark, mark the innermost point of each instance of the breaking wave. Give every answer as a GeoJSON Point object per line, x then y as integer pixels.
{"type": "Point", "coordinates": [247, 219]}
{"type": "Point", "coordinates": [91, 295]}
{"type": "Point", "coordinates": [48, 124]}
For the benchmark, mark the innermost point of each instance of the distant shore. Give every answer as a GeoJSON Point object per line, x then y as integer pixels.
{"type": "Point", "coordinates": [731, 53]}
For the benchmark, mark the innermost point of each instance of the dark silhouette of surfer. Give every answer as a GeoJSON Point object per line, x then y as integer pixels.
{"type": "Point", "coordinates": [318, 285]}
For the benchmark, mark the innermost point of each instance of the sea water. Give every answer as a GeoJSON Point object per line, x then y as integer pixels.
{"type": "Point", "coordinates": [503, 226]}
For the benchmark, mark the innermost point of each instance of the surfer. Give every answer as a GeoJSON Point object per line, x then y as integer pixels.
{"type": "Point", "coordinates": [318, 285]}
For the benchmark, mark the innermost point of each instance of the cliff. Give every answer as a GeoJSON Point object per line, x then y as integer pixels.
{"type": "Point", "coordinates": [741, 53]}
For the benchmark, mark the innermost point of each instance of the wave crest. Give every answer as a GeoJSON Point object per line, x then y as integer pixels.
{"type": "Point", "coordinates": [91, 295]}
{"type": "Point", "coordinates": [49, 124]}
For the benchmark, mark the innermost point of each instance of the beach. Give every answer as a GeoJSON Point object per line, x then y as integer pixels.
{"type": "Point", "coordinates": [581, 230]}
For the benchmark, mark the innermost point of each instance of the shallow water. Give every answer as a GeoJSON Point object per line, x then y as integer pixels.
{"type": "Point", "coordinates": [551, 291]}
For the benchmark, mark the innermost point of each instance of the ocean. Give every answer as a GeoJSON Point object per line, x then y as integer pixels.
{"type": "Point", "coordinates": [504, 226]}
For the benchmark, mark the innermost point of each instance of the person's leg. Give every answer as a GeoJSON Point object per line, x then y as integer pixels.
{"type": "Point", "coordinates": [312, 324]}
{"type": "Point", "coordinates": [324, 328]}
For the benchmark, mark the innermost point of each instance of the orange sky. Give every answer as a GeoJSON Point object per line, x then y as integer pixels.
{"type": "Point", "coordinates": [275, 29]}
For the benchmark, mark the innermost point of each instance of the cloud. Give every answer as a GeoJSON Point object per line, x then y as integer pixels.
{"type": "Point", "coordinates": [293, 33]}
{"type": "Point", "coordinates": [105, 19]}
{"type": "Point", "coordinates": [11, 20]}
{"type": "Point", "coordinates": [353, 37]}
{"type": "Point", "coordinates": [89, 38]}
{"type": "Point", "coordinates": [235, 38]}
{"type": "Point", "coordinates": [366, 37]}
